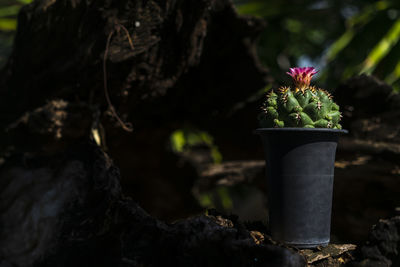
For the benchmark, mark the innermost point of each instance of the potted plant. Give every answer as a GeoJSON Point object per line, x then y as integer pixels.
{"type": "Point", "coordinates": [299, 130]}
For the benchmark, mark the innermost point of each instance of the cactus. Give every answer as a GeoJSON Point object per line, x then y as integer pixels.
{"type": "Point", "coordinates": [304, 106]}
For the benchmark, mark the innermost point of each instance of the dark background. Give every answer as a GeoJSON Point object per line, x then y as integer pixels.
{"type": "Point", "coordinates": [343, 39]}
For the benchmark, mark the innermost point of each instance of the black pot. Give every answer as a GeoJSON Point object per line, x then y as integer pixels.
{"type": "Point", "coordinates": [299, 168]}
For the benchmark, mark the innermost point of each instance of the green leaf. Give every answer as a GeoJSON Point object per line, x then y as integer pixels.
{"type": "Point", "coordinates": [177, 141]}
{"type": "Point", "coordinates": [339, 45]}
{"type": "Point", "coordinates": [382, 48]}
{"type": "Point", "coordinates": [393, 76]}
{"type": "Point", "coordinates": [25, 2]}
{"type": "Point", "coordinates": [225, 198]}
{"type": "Point", "coordinates": [261, 8]}
{"type": "Point", "coordinates": [205, 200]}
{"type": "Point", "coordinates": [8, 24]}
{"type": "Point", "coordinates": [358, 20]}
{"type": "Point", "coordinates": [293, 25]}
{"type": "Point", "coordinates": [183, 140]}
{"type": "Point", "coordinates": [9, 11]}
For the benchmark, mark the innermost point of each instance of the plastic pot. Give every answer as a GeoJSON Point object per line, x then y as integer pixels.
{"type": "Point", "coordinates": [300, 169]}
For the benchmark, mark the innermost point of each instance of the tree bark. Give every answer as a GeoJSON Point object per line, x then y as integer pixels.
{"type": "Point", "coordinates": [185, 68]}
{"type": "Point", "coordinates": [68, 210]}
{"type": "Point", "coordinates": [62, 203]}
{"type": "Point", "coordinates": [169, 64]}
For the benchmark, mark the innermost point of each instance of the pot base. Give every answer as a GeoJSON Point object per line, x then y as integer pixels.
{"type": "Point", "coordinates": [308, 246]}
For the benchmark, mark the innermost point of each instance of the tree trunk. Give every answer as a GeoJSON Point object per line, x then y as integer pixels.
{"type": "Point", "coordinates": [168, 64]}
{"type": "Point", "coordinates": [62, 203]}
{"type": "Point", "coordinates": [190, 63]}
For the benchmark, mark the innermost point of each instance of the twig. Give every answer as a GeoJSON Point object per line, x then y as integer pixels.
{"type": "Point", "coordinates": [127, 34]}
{"type": "Point", "coordinates": [127, 126]}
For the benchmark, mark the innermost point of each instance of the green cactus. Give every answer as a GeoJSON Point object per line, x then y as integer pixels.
{"type": "Point", "coordinates": [304, 106]}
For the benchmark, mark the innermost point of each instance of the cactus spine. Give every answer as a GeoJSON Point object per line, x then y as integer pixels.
{"type": "Point", "coordinates": [304, 106]}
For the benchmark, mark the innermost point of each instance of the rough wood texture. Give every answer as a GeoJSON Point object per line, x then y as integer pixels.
{"type": "Point", "coordinates": [68, 210]}
{"type": "Point", "coordinates": [181, 70]}
{"type": "Point", "coordinates": [367, 166]}
{"type": "Point", "coordinates": [61, 201]}
{"type": "Point", "coordinates": [231, 173]}
{"type": "Point", "coordinates": [383, 246]}
{"type": "Point", "coordinates": [370, 107]}
{"type": "Point", "coordinates": [181, 46]}
{"type": "Point", "coordinates": [332, 255]}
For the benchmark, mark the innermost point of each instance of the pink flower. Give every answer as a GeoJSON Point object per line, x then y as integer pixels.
{"type": "Point", "coordinates": [302, 76]}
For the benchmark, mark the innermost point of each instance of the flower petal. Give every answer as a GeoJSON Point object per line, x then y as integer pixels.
{"type": "Point", "coordinates": [302, 76]}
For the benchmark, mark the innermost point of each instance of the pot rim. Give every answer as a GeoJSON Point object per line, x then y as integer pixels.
{"type": "Point", "coordinates": [299, 129]}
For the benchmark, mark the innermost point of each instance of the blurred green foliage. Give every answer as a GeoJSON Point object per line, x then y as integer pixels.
{"type": "Point", "coordinates": [187, 139]}
{"type": "Point", "coordinates": [219, 198]}
{"type": "Point", "coordinates": [8, 24]}
{"type": "Point", "coordinates": [342, 38]}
